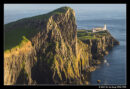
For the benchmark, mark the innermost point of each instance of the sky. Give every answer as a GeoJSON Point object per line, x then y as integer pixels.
{"type": "Point", "coordinates": [74, 6]}
{"type": "Point", "coordinates": [16, 11]}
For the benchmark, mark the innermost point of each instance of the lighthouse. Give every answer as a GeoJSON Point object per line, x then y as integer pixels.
{"type": "Point", "coordinates": [105, 27]}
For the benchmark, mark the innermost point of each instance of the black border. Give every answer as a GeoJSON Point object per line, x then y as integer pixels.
{"type": "Point", "coordinates": [66, 1]}
{"type": "Point", "coordinates": [1, 46]}
{"type": "Point", "coordinates": [53, 2]}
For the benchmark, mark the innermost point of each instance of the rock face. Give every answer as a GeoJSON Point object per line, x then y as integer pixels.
{"type": "Point", "coordinates": [53, 54]}
{"type": "Point", "coordinates": [100, 47]}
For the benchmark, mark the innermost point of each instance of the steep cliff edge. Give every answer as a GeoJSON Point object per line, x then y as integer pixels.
{"type": "Point", "coordinates": [45, 50]}
{"type": "Point", "coordinates": [100, 43]}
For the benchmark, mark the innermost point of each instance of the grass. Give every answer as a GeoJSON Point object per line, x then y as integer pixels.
{"type": "Point", "coordinates": [22, 30]}
{"type": "Point", "coordinates": [23, 41]}
{"type": "Point", "coordinates": [88, 34]}
{"type": "Point", "coordinates": [85, 34]}
{"type": "Point", "coordinates": [87, 37]}
{"type": "Point", "coordinates": [81, 30]}
{"type": "Point", "coordinates": [16, 37]}
{"type": "Point", "coordinates": [102, 33]}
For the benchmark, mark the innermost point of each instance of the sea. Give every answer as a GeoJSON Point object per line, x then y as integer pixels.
{"type": "Point", "coordinates": [87, 17]}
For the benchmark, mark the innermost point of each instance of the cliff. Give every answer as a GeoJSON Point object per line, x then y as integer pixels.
{"type": "Point", "coordinates": [45, 50]}
{"type": "Point", "coordinates": [99, 43]}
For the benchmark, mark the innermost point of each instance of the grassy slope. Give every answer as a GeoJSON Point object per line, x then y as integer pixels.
{"type": "Point", "coordinates": [83, 35]}
{"type": "Point", "coordinates": [27, 27]}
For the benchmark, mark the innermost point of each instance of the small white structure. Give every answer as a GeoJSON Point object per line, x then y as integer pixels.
{"type": "Point", "coordinates": [99, 29]}
{"type": "Point", "coordinates": [105, 27]}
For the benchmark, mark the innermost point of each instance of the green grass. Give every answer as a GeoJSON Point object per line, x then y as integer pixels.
{"type": "Point", "coordinates": [102, 33]}
{"type": "Point", "coordinates": [15, 37]}
{"type": "Point", "coordinates": [59, 10]}
{"type": "Point", "coordinates": [85, 34]}
{"type": "Point", "coordinates": [87, 37]}
{"type": "Point", "coordinates": [22, 30]}
{"type": "Point", "coordinates": [88, 34]}
{"type": "Point", "coordinates": [81, 30]}
{"type": "Point", "coordinates": [81, 34]}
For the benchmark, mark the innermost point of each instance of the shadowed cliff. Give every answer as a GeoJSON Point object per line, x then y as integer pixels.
{"type": "Point", "coordinates": [45, 50]}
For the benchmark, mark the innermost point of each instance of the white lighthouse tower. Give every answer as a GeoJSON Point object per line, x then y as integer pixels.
{"type": "Point", "coordinates": [105, 27]}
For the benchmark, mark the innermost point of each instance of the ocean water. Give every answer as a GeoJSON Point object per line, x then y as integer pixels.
{"type": "Point", "coordinates": [114, 71]}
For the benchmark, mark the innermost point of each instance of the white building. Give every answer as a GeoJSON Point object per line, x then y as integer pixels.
{"type": "Point", "coordinates": [99, 29]}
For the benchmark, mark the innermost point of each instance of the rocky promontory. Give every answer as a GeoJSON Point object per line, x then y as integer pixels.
{"type": "Point", "coordinates": [48, 49]}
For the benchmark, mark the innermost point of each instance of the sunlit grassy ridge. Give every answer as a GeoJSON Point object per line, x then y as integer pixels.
{"type": "Point", "coordinates": [16, 37]}
{"type": "Point", "coordinates": [27, 28]}
{"type": "Point", "coordinates": [88, 34]}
